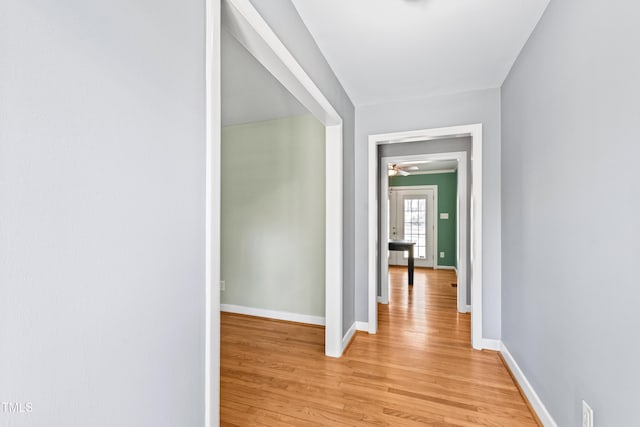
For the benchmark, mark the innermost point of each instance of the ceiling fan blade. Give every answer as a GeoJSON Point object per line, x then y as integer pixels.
{"type": "Point", "coordinates": [411, 168]}
{"type": "Point", "coordinates": [403, 172]}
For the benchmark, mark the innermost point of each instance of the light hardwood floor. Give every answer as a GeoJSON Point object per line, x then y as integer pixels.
{"type": "Point", "coordinates": [418, 370]}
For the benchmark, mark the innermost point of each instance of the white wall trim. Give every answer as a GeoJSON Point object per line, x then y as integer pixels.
{"type": "Point", "coordinates": [535, 401]}
{"type": "Point", "coordinates": [244, 22]}
{"type": "Point", "coordinates": [475, 132]}
{"type": "Point", "coordinates": [491, 344]}
{"type": "Point", "coordinates": [212, 215]}
{"type": "Point", "coordinates": [382, 300]}
{"type": "Point", "coordinates": [273, 314]}
{"type": "Point", "coordinates": [467, 309]}
{"type": "Point", "coordinates": [362, 326]}
{"type": "Point", "coordinates": [333, 241]}
{"type": "Point", "coordinates": [348, 337]}
{"type": "Point", "coordinates": [445, 267]}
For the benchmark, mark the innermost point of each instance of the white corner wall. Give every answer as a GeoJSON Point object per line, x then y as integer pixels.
{"type": "Point", "coordinates": [273, 217]}
{"type": "Point", "coordinates": [102, 204]}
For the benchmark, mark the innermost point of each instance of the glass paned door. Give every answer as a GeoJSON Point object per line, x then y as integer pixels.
{"type": "Point", "coordinates": [412, 218]}
{"type": "Point", "coordinates": [415, 225]}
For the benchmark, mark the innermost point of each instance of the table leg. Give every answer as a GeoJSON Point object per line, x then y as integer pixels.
{"type": "Point", "coordinates": [411, 265]}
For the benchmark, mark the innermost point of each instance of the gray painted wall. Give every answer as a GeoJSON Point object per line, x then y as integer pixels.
{"type": "Point", "coordinates": [571, 234]}
{"type": "Point", "coordinates": [466, 108]}
{"type": "Point", "coordinates": [273, 215]}
{"type": "Point", "coordinates": [250, 93]}
{"type": "Point", "coordinates": [102, 189]}
{"type": "Point", "coordinates": [432, 147]}
{"type": "Point", "coordinates": [284, 20]}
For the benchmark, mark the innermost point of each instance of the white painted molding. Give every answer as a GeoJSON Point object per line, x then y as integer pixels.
{"type": "Point", "coordinates": [373, 238]}
{"type": "Point", "coordinates": [491, 344]}
{"type": "Point", "coordinates": [535, 401]}
{"type": "Point", "coordinates": [362, 326]}
{"type": "Point", "coordinates": [382, 300]}
{"type": "Point", "coordinates": [466, 309]}
{"type": "Point", "coordinates": [273, 314]}
{"type": "Point", "coordinates": [333, 240]}
{"type": "Point", "coordinates": [348, 337]}
{"type": "Point", "coordinates": [445, 267]}
{"type": "Point", "coordinates": [212, 215]}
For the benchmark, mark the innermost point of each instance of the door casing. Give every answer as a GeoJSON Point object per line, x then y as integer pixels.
{"type": "Point", "coordinates": [473, 251]}
{"type": "Point", "coordinates": [461, 226]}
{"type": "Point", "coordinates": [432, 208]}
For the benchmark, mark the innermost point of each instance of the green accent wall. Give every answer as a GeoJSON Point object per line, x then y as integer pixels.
{"type": "Point", "coordinates": [447, 194]}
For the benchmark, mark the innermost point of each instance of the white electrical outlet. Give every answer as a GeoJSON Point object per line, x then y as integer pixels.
{"type": "Point", "coordinates": [441, 254]}
{"type": "Point", "coordinates": [222, 286]}
{"type": "Point", "coordinates": [587, 415]}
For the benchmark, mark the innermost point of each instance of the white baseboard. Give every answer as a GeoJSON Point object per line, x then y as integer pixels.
{"type": "Point", "coordinates": [273, 314]}
{"type": "Point", "coordinates": [346, 339]}
{"type": "Point", "coordinates": [445, 267]}
{"type": "Point", "coordinates": [382, 301]}
{"type": "Point", "coordinates": [362, 326]}
{"type": "Point", "coordinates": [491, 344]}
{"type": "Point", "coordinates": [532, 396]}
{"type": "Point", "coordinates": [465, 309]}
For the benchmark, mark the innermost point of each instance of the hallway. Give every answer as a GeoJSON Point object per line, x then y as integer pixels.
{"type": "Point", "coordinates": [418, 370]}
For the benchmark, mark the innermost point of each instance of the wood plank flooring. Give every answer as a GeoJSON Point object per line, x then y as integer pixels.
{"type": "Point", "coordinates": [418, 370]}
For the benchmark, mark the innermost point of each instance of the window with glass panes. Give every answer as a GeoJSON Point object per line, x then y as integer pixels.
{"type": "Point", "coordinates": [415, 225]}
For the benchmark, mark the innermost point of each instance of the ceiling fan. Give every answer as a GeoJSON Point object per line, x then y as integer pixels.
{"type": "Point", "coordinates": [395, 169]}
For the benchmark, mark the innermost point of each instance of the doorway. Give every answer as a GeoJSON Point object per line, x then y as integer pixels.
{"type": "Point", "coordinates": [411, 213]}
{"type": "Point", "coordinates": [448, 170]}
{"type": "Point", "coordinates": [243, 21]}
{"type": "Point", "coordinates": [378, 271]}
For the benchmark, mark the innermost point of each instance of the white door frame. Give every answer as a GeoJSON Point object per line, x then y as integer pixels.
{"type": "Point", "coordinates": [244, 22]}
{"type": "Point", "coordinates": [461, 225]}
{"type": "Point", "coordinates": [431, 209]}
{"type": "Point", "coordinates": [475, 132]}
{"type": "Point", "coordinates": [212, 216]}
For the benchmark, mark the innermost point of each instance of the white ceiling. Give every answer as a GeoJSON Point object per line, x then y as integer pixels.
{"type": "Point", "coordinates": [385, 50]}
{"type": "Point", "coordinates": [250, 93]}
{"type": "Point", "coordinates": [429, 166]}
